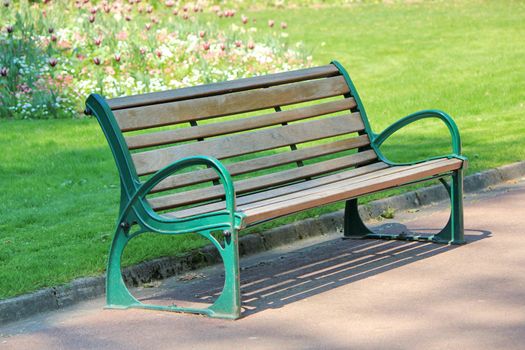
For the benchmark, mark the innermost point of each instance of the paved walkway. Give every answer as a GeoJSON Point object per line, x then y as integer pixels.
{"type": "Point", "coordinates": [329, 293]}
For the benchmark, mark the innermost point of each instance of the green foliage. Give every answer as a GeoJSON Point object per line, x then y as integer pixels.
{"type": "Point", "coordinates": [53, 54]}
{"type": "Point", "coordinates": [26, 80]}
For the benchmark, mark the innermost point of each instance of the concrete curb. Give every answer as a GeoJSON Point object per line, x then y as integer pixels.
{"type": "Point", "coordinates": [81, 289]}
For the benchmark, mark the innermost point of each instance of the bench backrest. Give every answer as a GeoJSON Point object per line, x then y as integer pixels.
{"type": "Point", "coordinates": [268, 130]}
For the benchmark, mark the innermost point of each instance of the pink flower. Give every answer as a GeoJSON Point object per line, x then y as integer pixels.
{"type": "Point", "coordinates": [93, 10]}
{"type": "Point", "coordinates": [123, 35]}
{"type": "Point", "coordinates": [98, 41]}
{"type": "Point", "coordinates": [91, 18]}
{"type": "Point", "coordinates": [185, 16]}
{"type": "Point", "coordinates": [195, 9]}
{"type": "Point", "coordinates": [185, 8]}
{"type": "Point", "coordinates": [142, 51]}
{"type": "Point", "coordinates": [175, 12]}
{"type": "Point", "coordinates": [159, 53]}
{"type": "Point", "coordinates": [244, 19]}
{"type": "Point", "coordinates": [96, 60]}
{"type": "Point", "coordinates": [149, 9]}
{"type": "Point", "coordinates": [251, 45]}
{"type": "Point", "coordinates": [106, 8]}
{"type": "Point", "coordinates": [170, 3]}
{"type": "Point", "coordinates": [53, 62]}
{"type": "Point", "coordinates": [24, 88]}
{"type": "Point", "coordinates": [117, 57]}
{"type": "Point", "coordinates": [284, 25]}
{"type": "Point", "coordinates": [148, 26]}
{"type": "Point", "coordinates": [64, 44]}
{"type": "Point", "coordinates": [53, 37]}
{"type": "Point", "coordinates": [202, 33]}
{"type": "Point", "coordinates": [127, 18]}
{"type": "Point", "coordinates": [9, 29]}
{"type": "Point", "coordinates": [238, 43]}
{"type": "Point", "coordinates": [271, 22]}
{"type": "Point", "coordinates": [223, 47]}
{"type": "Point", "coordinates": [206, 46]}
{"type": "Point", "coordinates": [4, 71]}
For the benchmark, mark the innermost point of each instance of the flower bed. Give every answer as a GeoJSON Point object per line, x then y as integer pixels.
{"type": "Point", "coordinates": [54, 53]}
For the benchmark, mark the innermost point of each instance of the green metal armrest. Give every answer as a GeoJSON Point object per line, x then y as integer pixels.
{"type": "Point", "coordinates": [378, 139]}
{"type": "Point", "coordinates": [158, 223]}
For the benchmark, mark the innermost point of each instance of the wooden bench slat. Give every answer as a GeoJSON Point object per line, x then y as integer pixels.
{"type": "Point", "coordinates": [390, 171]}
{"type": "Point", "coordinates": [263, 181]}
{"type": "Point", "coordinates": [342, 191]}
{"type": "Point", "coordinates": [251, 201]}
{"type": "Point", "coordinates": [241, 124]}
{"type": "Point", "coordinates": [296, 187]}
{"type": "Point", "coordinates": [238, 102]}
{"type": "Point", "coordinates": [261, 163]}
{"type": "Point", "coordinates": [223, 87]}
{"type": "Point", "coordinates": [250, 142]}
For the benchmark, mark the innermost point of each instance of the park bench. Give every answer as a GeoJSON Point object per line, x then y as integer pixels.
{"type": "Point", "coordinates": [217, 158]}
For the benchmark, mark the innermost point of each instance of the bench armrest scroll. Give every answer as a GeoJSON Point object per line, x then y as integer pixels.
{"type": "Point", "coordinates": [444, 117]}
{"type": "Point", "coordinates": [163, 173]}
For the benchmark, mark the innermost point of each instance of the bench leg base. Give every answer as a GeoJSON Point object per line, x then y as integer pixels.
{"type": "Point", "coordinates": [452, 233]}
{"type": "Point", "coordinates": [227, 305]}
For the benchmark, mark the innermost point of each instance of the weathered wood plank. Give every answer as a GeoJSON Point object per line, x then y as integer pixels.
{"type": "Point", "coordinates": [223, 87]}
{"type": "Point", "coordinates": [238, 102]}
{"type": "Point", "coordinates": [390, 171]}
{"type": "Point", "coordinates": [261, 163]}
{"type": "Point", "coordinates": [241, 124]}
{"type": "Point", "coordinates": [369, 169]}
{"type": "Point", "coordinates": [245, 143]}
{"type": "Point", "coordinates": [250, 201]}
{"type": "Point", "coordinates": [292, 203]}
{"type": "Point", "coordinates": [264, 181]}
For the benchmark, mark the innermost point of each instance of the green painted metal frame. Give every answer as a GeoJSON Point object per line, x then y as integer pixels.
{"type": "Point", "coordinates": [135, 210]}
{"type": "Point", "coordinates": [453, 232]}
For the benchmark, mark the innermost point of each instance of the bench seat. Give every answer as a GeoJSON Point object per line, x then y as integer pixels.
{"type": "Point", "coordinates": [308, 194]}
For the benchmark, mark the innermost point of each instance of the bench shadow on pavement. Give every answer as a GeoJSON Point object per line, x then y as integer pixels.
{"type": "Point", "coordinates": [293, 276]}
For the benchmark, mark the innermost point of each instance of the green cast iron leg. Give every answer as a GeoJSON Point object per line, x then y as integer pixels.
{"type": "Point", "coordinates": [353, 224]}
{"type": "Point", "coordinates": [453, 232]}
{"type": "Point", "coordinates": [117, 294]}
{"type": "Point", "coordinates": [228, 305]}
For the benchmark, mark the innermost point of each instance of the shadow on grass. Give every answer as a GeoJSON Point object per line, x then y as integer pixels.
{"type": "Point", "coordinates": [273, 282]}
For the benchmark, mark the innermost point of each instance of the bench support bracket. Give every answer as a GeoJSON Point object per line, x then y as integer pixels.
{"type": "Point", "coordinates": [227, 305]}
{"type": "Point", "coordinates": [452, 233]}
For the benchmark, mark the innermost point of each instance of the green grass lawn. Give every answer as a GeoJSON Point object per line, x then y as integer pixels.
{"type": "Point", "coordinates": [60, 193]}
